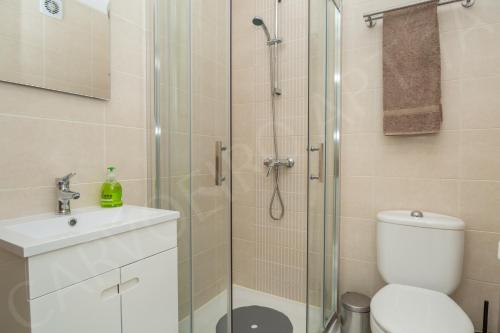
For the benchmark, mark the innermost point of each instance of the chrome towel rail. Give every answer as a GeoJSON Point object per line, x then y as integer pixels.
{"type": "Point", "coordinates": [372, 17]}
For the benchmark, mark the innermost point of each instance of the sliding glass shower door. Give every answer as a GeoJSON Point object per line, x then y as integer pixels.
{"type": "Point", "coordinates": [324, 162]}
{"type": "Point", "coordinates": [191, 150]}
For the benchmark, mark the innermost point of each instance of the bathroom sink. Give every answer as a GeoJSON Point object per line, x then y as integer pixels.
{"type": "Point", "coordinates": [43, 233]}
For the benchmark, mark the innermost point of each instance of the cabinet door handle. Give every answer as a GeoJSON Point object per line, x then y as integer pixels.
{"type": "Point", "coordinates": [219, 148]}
{"type": "Point", "coordinates": [321, 152]}
{"type": "Point", "coordinates": [109, 293]}
{"type": "Point", "coordinates": [128, 285]}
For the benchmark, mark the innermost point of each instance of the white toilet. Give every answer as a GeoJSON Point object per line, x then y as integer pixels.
{"type": "Point", "coordinates": [420, 256]}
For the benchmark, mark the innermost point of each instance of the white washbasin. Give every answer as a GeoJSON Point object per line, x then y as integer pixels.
{"type": "Point", "coordinates": [35, 235]}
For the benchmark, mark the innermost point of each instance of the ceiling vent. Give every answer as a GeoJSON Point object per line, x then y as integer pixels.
{"type": "Point", "coordinates": [52, 8]}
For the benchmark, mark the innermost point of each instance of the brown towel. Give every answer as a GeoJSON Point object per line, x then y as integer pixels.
{"type": "Point", "coordinates": [412, 71]}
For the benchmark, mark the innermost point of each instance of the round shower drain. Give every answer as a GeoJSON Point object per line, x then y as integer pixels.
{"type": "Point", "coordinates": [256, 319]}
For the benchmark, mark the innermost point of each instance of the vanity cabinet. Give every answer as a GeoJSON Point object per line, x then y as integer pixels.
{"type": "Point", "coordinates": [124, 283]}
{"type": "Point", "coordinates": [140, 297]}
{"type": "Point", "coordinates": [89, 306]}
{"type": "Point", "coordinates": [149, 303]}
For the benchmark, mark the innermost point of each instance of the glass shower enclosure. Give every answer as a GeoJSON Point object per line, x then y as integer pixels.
{"type": "Point", "coordinates": [244, 263]}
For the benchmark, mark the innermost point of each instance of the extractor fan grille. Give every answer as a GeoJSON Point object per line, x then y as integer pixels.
{"type": "Point", "coordinates": [52, 8]}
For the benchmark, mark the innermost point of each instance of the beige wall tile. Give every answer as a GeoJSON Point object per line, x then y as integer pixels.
{"type": "Point", "coordinates": [127, 47]}
{"type": "Point", "coordinates": [131, 10]}
{"type": "Point", "coordinates": [357, 197]}
{"type": "Point", "coordinates": [244, 255]}
{"type": "Point", "coordinates": [204, 272]}
{"type": "Point", "coordinates": [244, 86]}
{"type": "Point", "coordinates": [479, 204]}
{"type": "Point", "coordinates": [244, 219]}
{"type": "Point", "coordinates": [362, 69]}
{"type": "Point", "coordinates": [481, 154]}
{"type": "Point", "coordinates": [472, 53]}
{"type": "Point", "coordinates": [475, 100]}
{"type": "Point", "coordinates": [358, 155]}
{"type": "Point", "coordinates": [481, 261]}
{"type": "Point", "coordinates": [244, 120]}
{"type": "Point", "coordinates": [204, 232]}
{"type": "Point", "coordinates": [134, 192]}
{"type": "Point", "coordinates": [428, 156]}
{"type": "Point", "coordinates": [362, 111]}
{"type": "Point", "coordinates": [390, 193]}
{"type": "Point", "coordinates": [203, 156]}
{"type": "Point", "coordinates": [127, 104]}
{"type": "Point", "coordinates": [358, 239]}
{"type": "Point", "coordinates": [24, 202]}
{"type": "Point", "coordinates": [36, 151]}
{"type": "Point", "coordinates": [126, 150]}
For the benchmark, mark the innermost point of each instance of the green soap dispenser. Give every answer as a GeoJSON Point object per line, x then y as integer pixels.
{"type": "Point", "coordinates": [111, 191]}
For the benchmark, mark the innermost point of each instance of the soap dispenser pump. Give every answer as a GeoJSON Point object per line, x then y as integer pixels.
{"type": "Point", "coordinates": [111, 191]}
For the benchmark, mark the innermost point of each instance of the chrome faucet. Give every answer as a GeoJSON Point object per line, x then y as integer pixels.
{"type": "Point", "coordinates": [65, 195]}
{"type": "Point", "coordinates": [272, 164]}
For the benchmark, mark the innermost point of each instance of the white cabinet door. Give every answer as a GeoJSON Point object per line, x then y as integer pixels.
{"type": "Point", "coordinates": [149, 294]}
{"type": "Point", "coordinates": [89, 306]}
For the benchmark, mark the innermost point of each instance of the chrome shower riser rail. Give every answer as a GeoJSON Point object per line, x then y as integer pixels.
{"type": "Point", "coordinates": [274, 163]}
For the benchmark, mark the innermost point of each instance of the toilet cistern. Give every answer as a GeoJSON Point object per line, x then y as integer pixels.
{"type": "Point", "coordinates": [420, 256]}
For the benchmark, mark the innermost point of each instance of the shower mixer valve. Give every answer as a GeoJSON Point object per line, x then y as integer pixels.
{"type": "Point", "coordinates": [272, 163]}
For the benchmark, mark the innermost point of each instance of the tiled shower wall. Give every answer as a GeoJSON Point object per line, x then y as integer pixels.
{"type": "Point", "coordinates": [455, 172]}
{"type": "Point", "coordinates": [269, 255]}
{"type": "Point", "coordinates": [46, 134]}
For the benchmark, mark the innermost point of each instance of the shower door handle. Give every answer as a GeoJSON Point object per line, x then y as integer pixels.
{"type": "Point", "coordinates": [321, 152]}
{"type": "Point", "coordinates": [219, 148]}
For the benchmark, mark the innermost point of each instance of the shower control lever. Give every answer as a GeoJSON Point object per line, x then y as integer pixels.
{"type": "Point", "coordinates": [272, 163]}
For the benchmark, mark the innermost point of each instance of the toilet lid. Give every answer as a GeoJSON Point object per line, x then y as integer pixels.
{"type": "Point", "coordinates": [405, 309]}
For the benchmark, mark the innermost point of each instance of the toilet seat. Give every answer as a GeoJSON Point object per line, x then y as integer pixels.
{"type": "Point", "coordinates": [405, 309]}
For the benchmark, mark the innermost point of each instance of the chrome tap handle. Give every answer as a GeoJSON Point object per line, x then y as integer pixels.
{"type": "Point", "coordinates": [269, 169]}
{"type": "Point", "coordinates": [66, 178]}
{"type": "Point", "coordinates": [269, 163]}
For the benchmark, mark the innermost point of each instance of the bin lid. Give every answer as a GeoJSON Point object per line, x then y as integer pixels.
{"type": "Point", "coordinates": [355, 302]}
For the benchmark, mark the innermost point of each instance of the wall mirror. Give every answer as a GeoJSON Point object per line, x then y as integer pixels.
{"type": "Point", "coordinates": [61, 45]}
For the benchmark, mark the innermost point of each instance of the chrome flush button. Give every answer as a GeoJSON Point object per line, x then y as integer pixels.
{"type": "Point", "coordinates": [417, 213]}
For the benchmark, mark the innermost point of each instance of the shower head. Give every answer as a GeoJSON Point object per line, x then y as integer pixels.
{"type": "Point", "coordinates": [259, 22]}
